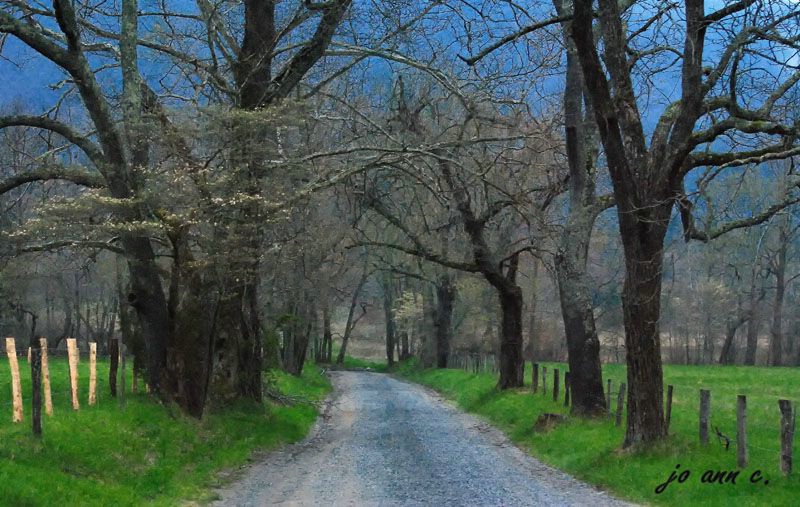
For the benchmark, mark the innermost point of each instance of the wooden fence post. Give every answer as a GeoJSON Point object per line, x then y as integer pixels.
{"type": "Point", "coordinates": [669, 408]}
{"type": "Point", "coordinates": [16, 389]}
{"type": "Point", "coordinates": [36, 391]}
{"type": "Point", "coordinates": [92, 373]}
{"type": "Point", "coordinates": [123, 349]}
{"type": "Point", "coordinates": [29, 355]}
{"type": "Point", "coordinates": [566, 388]}
{"type": "Point", "coordinates": [535, 379]}
{"type": "Point", "coordinates": [544, 380]}
{"type": "Point", "coordinates": [705, 414]}
{"type": "Point", "coordinates": [72, 352]}
{"type": "Point", "coordinates": [741, 431]}
{"type": "Point", "coordinates": [113, 365]}
{"type": "Point", "coordinates": [620, 400]}
{"type": "Point", "coordinates": [555, 384]}
{"type": "Point", "coordinates": [48, 396]}
{"type": "Point", "coordinates": [787, 435]}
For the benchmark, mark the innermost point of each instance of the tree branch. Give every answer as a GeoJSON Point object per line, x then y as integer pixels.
{"type": "Point", "coordinates": [472, 60]}
{"type": "Point", "coordinates": [294, 70]}
{"type": "Point", "coordinates": [691, 232]}
{"type": "Point", "coordinates": [75, 174]}
{"type": "Point", "coordinates": [91, 150]}
{"type": "Point", "coordinates": [423, 254]}
{"type": "Point", "coordinates": [74, 243]}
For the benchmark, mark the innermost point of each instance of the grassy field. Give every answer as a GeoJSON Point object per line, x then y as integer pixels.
{"type": "Point", "coordinates": [591, 451]}
{"type": "Point", "coordinates": [144, 454]}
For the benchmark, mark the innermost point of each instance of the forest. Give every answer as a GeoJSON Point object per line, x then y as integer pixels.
{"type": "Point", "coordinates": [227, 187]}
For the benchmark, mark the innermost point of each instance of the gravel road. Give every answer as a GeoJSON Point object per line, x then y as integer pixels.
{"type": "Point", "coordinates": [385, 442]}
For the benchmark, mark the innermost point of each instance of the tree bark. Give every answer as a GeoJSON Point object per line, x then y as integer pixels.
{"type": "Point", "coordinates": [753, 327]}
{"type": "Point", "coordinates": [389, 320]}
{"type": "Point", "coordinates": [327, 335]}
{"type": "Point", "coordinates": [726, 354]}
{"type": "Point", "coordinates": [533, 321]}
{"type": "Point", "coordinates": [351, 320]}
{"type": "Point", "coordinates": [641, 303]}
{"type": "Point", "coordinates": [583, 344]}
{"type": "Point", "coordinates": [113, 365]}
{"type": "Point", "coordinates": [776, 329]}
{"type": "Point", "coordinates": [445, 299]}
{"type": "Point", "coordinates": [303, 328]}
{"type": "Point", "coordinates": [512, 364]}
{"type": "Point", "coordinates": [427, 355]}
{"type": "Point", "coordinates": [237, 343]}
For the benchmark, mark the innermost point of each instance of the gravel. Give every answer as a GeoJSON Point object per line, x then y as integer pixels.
{"type": "Point", "coordinates": [382, 441]}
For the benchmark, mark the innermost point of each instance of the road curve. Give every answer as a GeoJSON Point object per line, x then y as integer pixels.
{"type": "Point", "coordinates": [385, 442]}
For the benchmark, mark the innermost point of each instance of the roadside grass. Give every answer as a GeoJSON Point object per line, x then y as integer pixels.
{"type": "Point", "coordinates": [590, 450]}
{"type": "Point", "coordinates": [143, 454]}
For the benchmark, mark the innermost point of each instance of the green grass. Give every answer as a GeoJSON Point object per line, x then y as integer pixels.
{"type": "Point", "coordinates": [590, 450]}
{"type": "Point", "coordinates": [144, 454]}
{"type": "Point", "coordinates": [355, 362]}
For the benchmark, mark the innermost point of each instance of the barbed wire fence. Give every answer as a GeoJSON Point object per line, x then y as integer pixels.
{"type": "Point", "coordinates": [87, 379]}
{"type": "Point", "coordinates": [723, 418]}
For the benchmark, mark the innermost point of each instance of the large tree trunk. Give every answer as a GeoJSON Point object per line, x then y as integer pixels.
{"type": "Point", "coordinates": [236, 343]}
{"type": "Point", "coordinates": [641, 303]}
{"type": "Point", "coordinates": [147, 298]}
{"type": "Point", "coordinates": [445, 298]}
{"type": "Point", "coordinates": [236, 346]}
{"type": "Point", "coordinates": [583, 344]}
{"type": "Point", "coordinates": [586, 376]}
{"type": "Point", "coordinates": [512, 364]}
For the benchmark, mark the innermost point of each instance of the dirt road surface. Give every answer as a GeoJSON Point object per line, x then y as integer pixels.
{"type": "Point", "coordinates": [382, 441]}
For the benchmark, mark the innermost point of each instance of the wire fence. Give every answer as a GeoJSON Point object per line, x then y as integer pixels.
{"type": "Point", "coordinates": [81, 382]}
{"type": "Point", "coordinates": [747, 431]}
{"type": "Point", "coordinates": [721, 420]}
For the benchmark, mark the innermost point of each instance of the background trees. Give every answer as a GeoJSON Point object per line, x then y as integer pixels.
{"type": "Point", "coordinates": [233, 185]}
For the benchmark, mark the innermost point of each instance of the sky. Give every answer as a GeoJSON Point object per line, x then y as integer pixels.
{"type": "Point", "coordinates": [25, 78]}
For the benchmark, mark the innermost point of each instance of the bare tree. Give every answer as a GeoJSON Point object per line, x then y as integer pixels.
{"type": "Point", "coordinates": [648, 177]}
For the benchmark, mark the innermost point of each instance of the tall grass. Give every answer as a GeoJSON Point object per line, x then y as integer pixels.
{"type": "Point", "coordinates": [144, 454]}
